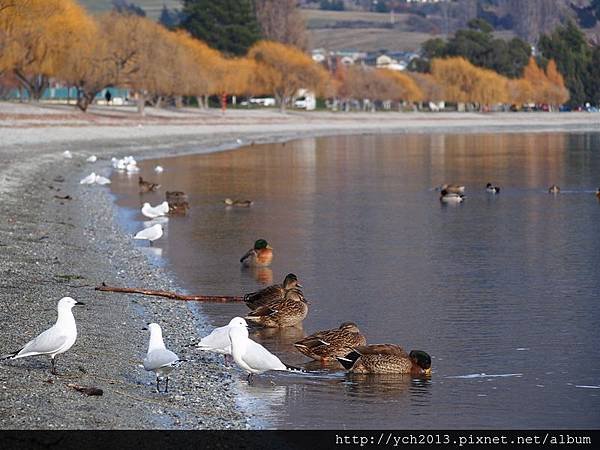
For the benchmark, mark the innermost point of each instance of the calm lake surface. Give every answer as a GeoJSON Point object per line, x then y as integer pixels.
{"type": "Point", "coordinates": [503, 291]}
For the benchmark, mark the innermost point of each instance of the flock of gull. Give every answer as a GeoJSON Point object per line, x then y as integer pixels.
{"type": "Point", "coordinates": [277, 306]}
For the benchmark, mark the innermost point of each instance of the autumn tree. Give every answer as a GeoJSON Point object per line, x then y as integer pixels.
{"type": "Point", "coordinates": [404, 88]}
{"type": "Point", "coordinates": [37, 36]}
{"type": "Point", "coordinates": [464, 83]}
{"type": "Point", "coordinates": [283, 70]}
{"type": "Point", "coordinates": [281, 21]}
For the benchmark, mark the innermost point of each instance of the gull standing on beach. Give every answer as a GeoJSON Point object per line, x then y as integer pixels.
{"type": "Point", "coordinates": [153, 212]}
{"type": "Point", "coordinates": [218, 340]}
{"type": "Point", "coordinates": [251, 356]}
{"type": "Point", "coordinates": [158, 359]}
{"type": "Point", "coordinates": [55, 340]}
{"type": "Point", "coordinates": [150, 234]}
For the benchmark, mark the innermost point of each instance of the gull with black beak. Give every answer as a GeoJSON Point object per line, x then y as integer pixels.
{"type": "Point", "coordinates": [55, 340]}
{"type": "Point", "coordinates": [159, 359]}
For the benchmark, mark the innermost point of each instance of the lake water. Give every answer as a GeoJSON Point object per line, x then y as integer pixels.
{"type": "Point", "coordinates": [503, 291]}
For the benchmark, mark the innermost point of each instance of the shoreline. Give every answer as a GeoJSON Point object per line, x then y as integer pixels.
{"type": "Point", "coordinates": [50, 248]}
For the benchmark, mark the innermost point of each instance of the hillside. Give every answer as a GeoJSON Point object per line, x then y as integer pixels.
{"type": "Point", "coordinates": [152, 7]}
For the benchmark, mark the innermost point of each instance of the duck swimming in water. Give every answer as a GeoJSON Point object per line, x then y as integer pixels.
{"type": "Point", "coordinates": [272, 293]}
{"type": "Point", "coordinates": [554, 189]}
{"type": "Point", "coordinates": [450, 197]}
{"type": "Point", "coordinates": [386, 358]}
{"type": "Point", "coordinates": [260, 255]}
{"type": "Point", "coordinates": [330, 344]}
{"type": "Point", "coordinates": [492, 189]}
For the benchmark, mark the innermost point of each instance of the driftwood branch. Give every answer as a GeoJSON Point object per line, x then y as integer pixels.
{"type": "Point", "coordinates": [172, 295]}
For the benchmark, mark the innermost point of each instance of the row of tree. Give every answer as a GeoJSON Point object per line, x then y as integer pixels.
{"type": "Point", "coordinates": [44, 39]}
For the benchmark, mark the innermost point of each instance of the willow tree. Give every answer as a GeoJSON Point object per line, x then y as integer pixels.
{"type": "Point", "coordinates": [37, 37]}
{"type": "Point", "coordinates": [283, 70]}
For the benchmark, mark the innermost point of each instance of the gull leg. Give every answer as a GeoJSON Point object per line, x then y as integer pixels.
{"type": "Point", "coordinates": [250, 377]}
{"type": "Point", "coordinates": [151, 244]}
{"type": "Point", "coordinates": [167, 385]}
{"type": "Point", "coordinates": [53, 370]}
{"type": "Point", "coordinates": [157, 385]}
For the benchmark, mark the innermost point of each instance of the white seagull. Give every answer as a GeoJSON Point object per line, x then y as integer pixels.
{"type": "Point", "coordinates": [55, 340]}
{"type": "Point", "coordinates": [101, 180]}
{"type": "Point", "coordinates": [218, 340]}
{"type": "Point", "coordinates": [150, 234]}
{"type": "Point", "coordinates": [158, 359]}
{"type": "Point", "coordinates": [251, 356]}
{"type": "Point", "coordinates": [67, 154]}
{"type": "Point", "coordinates": [155, 211]}
{"type": "Point", "coordinates": [90, 179]}
{"type": "Point", "coordinates": [159, 169]}
{"type": "Point", "coordinates": [92, 159]}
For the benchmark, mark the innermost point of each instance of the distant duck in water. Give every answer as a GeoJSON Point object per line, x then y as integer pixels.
{"type": "Point", "coordinates": [147, 186]}
{"type": "Point", "coordinates": [492, 189]}
{"type": "Point", "coordinates": [598, 193]}
{"type": "Point", "coordinates": [239, 203]}
{"type": "Point", "coordinates": [387, 358]}
{"type": "Point", "coordinates": [330, 344]}
{"type": "Point", "coordinates": [554, 189]}
{"type": "Point", "coordinates": [260, 255]}
{"type": "Point", "coordinates": [452, 188]}
{"type": "Point", "coordinates": [450, 197]}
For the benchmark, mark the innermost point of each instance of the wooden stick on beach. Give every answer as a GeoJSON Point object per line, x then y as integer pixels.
{"type": "Point", "coordinates": [172, 295]}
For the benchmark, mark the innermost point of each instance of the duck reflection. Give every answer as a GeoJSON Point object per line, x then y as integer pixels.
{"type": "Point", "coordinates": [387, 385]}
{"type": "Point", "coordinates": [263, 275]}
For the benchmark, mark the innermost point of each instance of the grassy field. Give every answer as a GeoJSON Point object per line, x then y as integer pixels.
{"type": "Point", "coordinates": [366, 39]}
{"type": "Point", "coordinates": [152, 7]}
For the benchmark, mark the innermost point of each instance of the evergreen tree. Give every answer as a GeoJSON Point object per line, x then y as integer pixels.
{"type": "Point", "coordinates": [169, 18]}
{"type": "Point", "coordinates": [478, 45]}
{"type": "Point", "coordinates": [568, 47]}
{"type": "Point", "coordinates": [229, 26]}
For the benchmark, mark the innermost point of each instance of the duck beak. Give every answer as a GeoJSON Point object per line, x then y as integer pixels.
{"type": "Point", "coordinates": [428, 372]}
{"type": "Point", "coordinates": [269, 247]}
{"type": "Point", "coordinates": [299, 285]}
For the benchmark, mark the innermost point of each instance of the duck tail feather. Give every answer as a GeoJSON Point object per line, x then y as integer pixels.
{"type": "Point", "coordinates": [349, 360]}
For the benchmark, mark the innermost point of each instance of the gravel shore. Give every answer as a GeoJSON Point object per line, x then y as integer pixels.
{"type": "Point", "coordinates": [51, 247]}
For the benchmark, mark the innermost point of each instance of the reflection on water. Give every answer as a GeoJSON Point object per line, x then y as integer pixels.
{"type": "Point", "coordinates": [501, 285]}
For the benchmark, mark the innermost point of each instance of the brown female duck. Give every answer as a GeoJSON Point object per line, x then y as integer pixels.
{"type": "Point", "coordinates": [287, 312]}
{"type": "Point", "coordinates": [147, 186]}
{"type": "Point", "coordinates": [330, 344]}
{"type": "Point", "coordinates": [386, 358]}
{"type": "Point", "coordinates": [272, 293]}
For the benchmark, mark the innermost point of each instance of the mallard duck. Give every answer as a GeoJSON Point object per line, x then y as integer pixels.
{"type": "Point", "coordinates": [272, 293]}
{"type": "Point", "coordinates": [492, 189]}
{"type": "Point", "coordinates": [450, 197]}
{"type": "Point", "coordinates": [288, 312]}
{"type": "Point", "coordinates": [453, 188]}
{"type": "Point", "coordinates": [259, 256]}
{"type": "Point", "coordinates": [238, 203]}
{"type": "Point", "coordinates": [147, 186]}
{"type": "Point", "coordinates": [330, 344]}
{"type": "Point", "coordinates": [386, 358]}
{"type": "Point", "coordinates": [554, 189]}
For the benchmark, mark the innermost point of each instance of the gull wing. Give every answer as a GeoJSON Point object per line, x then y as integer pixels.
{"type": "Point", "coordinates": [160, 358]}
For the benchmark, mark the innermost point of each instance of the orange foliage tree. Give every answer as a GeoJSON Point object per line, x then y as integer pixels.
{"type": "Point", "coordinates": [283, 70]}
{"type": "Point", "coordinates": [37, 36]}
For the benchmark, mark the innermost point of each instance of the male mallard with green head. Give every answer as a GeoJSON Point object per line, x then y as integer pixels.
{"type": "Point", "coordinates": [330, 344]}
{"type": "Point", "coordinates": [259, 256]}
{"type": "Point", "coordinates": [287, 312]}
{"type": "Point", "coordinates": [272, 293]}
{"type": "Point", "coordinates": [386, 358]}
